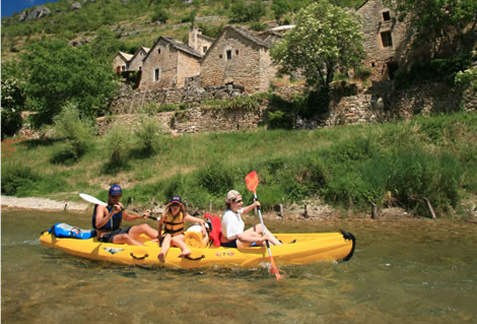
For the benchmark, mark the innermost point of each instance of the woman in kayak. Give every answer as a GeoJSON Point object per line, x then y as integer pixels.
{"type": "Point", "coordinates": [233, 234]}
{"type": "Point", "coordinates": [107, 221]}
{"type": "Point", "coordinates": [173, 222]}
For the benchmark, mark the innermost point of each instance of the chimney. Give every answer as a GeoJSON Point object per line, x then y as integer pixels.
{"type": "Point", "coordinates": [192, 42]}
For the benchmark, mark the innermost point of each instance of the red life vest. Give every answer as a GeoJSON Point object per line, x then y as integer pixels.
{"type": "Point", "coordinates": [216, 232]}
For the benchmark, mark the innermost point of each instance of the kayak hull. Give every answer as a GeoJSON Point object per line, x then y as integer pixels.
{"type": "Point", "coordinates": [297, 249]}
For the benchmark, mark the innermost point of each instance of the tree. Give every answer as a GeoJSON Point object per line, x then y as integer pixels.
{"type": "Point", "coordinates": [281, 8]}
{"type": "Point", "coordinates": [441, 21]}
{"type": "Point", "coordinates": [326, 38]}
{"type": "Point", "coordinates": [13, 99]}
{"type": "Point", "coordinates": [58, 73]}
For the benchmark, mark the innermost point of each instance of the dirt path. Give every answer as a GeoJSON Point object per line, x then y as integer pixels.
{"type": "Point", "coordinates": [43, 204]}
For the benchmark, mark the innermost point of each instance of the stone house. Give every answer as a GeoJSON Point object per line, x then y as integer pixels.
{"type": "Point", "coordinates": [385, 39]}
{"type": "Point", "coordinates": [237, 57]}
{"type": "Point", "coordinates": [121, 62]}
{"type": "Point", "coordinates": [135, 63]}
{"type": "Point", "coordinates": [199, 42]}
{"type": "Point", "coordinates": [168, 64]}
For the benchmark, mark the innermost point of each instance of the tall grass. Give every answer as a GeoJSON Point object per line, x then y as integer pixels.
{"type": "Point", "coordinates": [396, 164]}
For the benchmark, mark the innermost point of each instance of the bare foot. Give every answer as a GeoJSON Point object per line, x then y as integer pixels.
{"type": "Point", "coordinates": [185, 253]}
{"type": "Point", "coordinates": [161, 257]}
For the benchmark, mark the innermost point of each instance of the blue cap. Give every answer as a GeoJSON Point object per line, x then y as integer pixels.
{"type": "Point", "coordinates": [176, 200]}
{"type": "Point", "coordinates": [115, 189]}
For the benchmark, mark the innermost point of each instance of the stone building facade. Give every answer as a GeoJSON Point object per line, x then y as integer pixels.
{"type": "Point", "coordinates": [135, 63]}
{"type": "Point", "coordinates": [199, 42]}
{"type": "Point", "coordinates": [239, 58]}
{"type": "Point", "coordinates": [385, 39]}
{"type": "Point", "coordinates": [121, 62]}
{"type": "Point", "coordinates": [168, 64]}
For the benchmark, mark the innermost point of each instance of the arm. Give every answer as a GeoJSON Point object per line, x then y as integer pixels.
{"type": "Point", "coordinates": [130, 216]}
{"type": "Point", "coordinates": [250, 207]}
{"type": "Point", "coordinates": [103, 215]}
{"type": "Point", "coordinates": [192, 219]}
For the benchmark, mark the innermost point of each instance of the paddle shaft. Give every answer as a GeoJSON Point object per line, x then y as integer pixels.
{"type": "Point", "coordinates": [274, 267]}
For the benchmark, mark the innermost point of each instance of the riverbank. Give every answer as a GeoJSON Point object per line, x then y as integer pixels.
{"type": "Point", "coordinates": [42, 204]}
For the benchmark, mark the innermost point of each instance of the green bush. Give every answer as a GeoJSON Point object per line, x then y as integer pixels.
{"type": "Point", "coordinates": [117, 144]}
{"type": "Point", "coordinates": [78, 132]}
{"type": "Point", "coordinates": [147, 133]}
{"type": "Point", "coordinates": [16, 179]}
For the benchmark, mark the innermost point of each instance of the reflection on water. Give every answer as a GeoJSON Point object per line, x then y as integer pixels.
{"type": "Point", "coordinates": [402, 272]}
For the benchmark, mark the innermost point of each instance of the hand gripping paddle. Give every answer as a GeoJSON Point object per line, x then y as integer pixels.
{"type": "Point", "coordinates": [252, 183]}
{"type": "Point", "coordinates": [96, 201]}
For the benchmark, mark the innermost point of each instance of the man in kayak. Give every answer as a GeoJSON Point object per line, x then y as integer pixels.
{"type": "Point", "coordinates": [107, 221]}
{"type": "Point", "coordinates": [233, 234]}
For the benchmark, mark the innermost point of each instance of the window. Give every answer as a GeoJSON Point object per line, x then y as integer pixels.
{"type": "Point", "coordinates": [386, 16]}
{"type": "Point", "coordinates": [229, 55]}
{"type": "Point", "coordinates": [158, 51]}
{"type": "Point", "coordinates": [373, 64]}
{"type": "Point", "coordinates": [236, 52]}
{"type": "Point", "coordinates": [140, 68]}
{"type": "Point", "coordinates": [220, 56]}
{"type": "Point", "coordinates": [387, 39]}
{"type": "Point", "coordinates": [157, 74]}
{"type": "Point", "coordinates": [124, 67]}
{"type": "Point", "coordinates": [204, 49]}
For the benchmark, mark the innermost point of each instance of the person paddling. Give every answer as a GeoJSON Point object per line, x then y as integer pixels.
{"type": "Point", "coordinates": [233, 234]}
{"type": "Point", "coordinates": [173, 221]}
{"type": "Point", "coordinates": [107, 221]}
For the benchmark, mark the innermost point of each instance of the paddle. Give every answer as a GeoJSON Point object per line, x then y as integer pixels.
{"type": "Point", "coordinates": [96, 201]}
{"type": "Point", "coordinates": [252, 183]}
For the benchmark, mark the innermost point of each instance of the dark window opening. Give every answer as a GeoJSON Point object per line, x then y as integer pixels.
{"type": "Point", "coordinates": [158, 51]}
{"type": "Point", "coordinates": [140, 68]}
{"type": "Point", "coordinates": [373, 64]}
{"type": "Point", "coordinates": [157, 74]}
{"type": "Point", "coordinates": [220, 56]}
{"type": "Point", "coordinates": [386, 16]}
{"type": "Point", "coordinates": [236, 52]}
{"type": "Point", "coordinates": [229, 55]}
{"type": "Point", "coordinates": [204, 49]}
{"type": "Point", "coordinates": [387, 39]}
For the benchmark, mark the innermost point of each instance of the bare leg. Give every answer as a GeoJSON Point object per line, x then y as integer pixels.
{"type": "Point", "coordinates": [271, 238]}
{"type": "Point", "coordinates": [137, 230]}
{"type": "Point", "coordinates": [179, 241]}
{"type": "Point", "coordinates": [125, 239]}
{"type": "Point", "coordinates": [166, 244]}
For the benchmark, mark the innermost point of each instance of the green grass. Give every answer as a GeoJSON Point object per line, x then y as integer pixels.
{"type": "Point", "coordinates": [396, 164]}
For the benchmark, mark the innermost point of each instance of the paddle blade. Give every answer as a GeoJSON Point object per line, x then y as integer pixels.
{"type": "Point", "coordinates": [252, 181]}
{"type": "Point", "coordinates": [92, 199]}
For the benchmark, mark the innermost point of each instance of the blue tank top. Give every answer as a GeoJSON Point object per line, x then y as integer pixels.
{"type": "Point", "coordinates": [113, 223]}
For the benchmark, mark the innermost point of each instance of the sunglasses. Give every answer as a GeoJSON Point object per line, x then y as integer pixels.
{"type": "Point", "coordinates": [116, 196]}
{"type": "Point", "coordinates": [237, 201]}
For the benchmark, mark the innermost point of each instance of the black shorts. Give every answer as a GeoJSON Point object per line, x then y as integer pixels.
{"type": "Point", "coordinates": [231, 244]}
{"type": "Point", "coordinates": [108, 237]}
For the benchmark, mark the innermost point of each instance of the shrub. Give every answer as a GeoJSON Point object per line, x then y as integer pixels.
{"type": "Point", "coordinates": [147, 135]}
{"type": "Point", "coordinates": [117, 143]}
{"type": "Point", "coordinates": [216, 179]}
{"type": "Point", "coordinates": [17, 178]}
{"type": "Point", "coordinates": [78, 131]}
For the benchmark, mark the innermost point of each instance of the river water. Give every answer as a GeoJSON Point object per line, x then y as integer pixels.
{"type": "Point", "coordinates": [403, 271]}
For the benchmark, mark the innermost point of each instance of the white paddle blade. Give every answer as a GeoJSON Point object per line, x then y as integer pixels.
{"type": "Point", "coordinates": [92, 199]}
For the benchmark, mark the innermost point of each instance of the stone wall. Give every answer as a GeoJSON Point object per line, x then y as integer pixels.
{"type": "Point", "coordinates": [363, 107]}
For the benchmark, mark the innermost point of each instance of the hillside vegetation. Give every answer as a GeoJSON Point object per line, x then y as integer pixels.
{"type": "Point", "coordinates": [137, 23]}
{"type": "Point", "coordinates": [396, 164]}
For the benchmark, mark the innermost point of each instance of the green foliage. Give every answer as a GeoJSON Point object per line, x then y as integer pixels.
{"type": "Point", "coordinates": [325, 38]}
{"type": "Point", "coordinates": [441, 21]}
{"type": "Point", "coordinates": [58, 73]}
{"type": "Point", "coordinates": [13, 100]}
{"type": "Point", "coordinates": [281, 8]}
{"type": "Point", "coordinates": [117, 144]}
{"type": "Point", "coordinates": [215, 178]}
{"type": "Point", "coordinates": [434, 70]}
{"type": "Point", "coordinates": [147, 133]}
{"type": "Point", "coordinates": [105, 45]}
{"type": "Point", "coordinates": [242, 12]}
{"type": "Point", "coordinates": [78, 132]}
{"type": "Point", "coordinates": [160, 15]}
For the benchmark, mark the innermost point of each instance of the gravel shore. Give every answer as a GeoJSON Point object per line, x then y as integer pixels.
{"type": "Point", "coordinates": [43, 204]}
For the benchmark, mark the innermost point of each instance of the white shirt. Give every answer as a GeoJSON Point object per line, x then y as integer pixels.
{"type": "Point", "coordinates": [232, 224]}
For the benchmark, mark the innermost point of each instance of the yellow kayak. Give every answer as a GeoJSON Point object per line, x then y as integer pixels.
{"type": "Point", "coordinates": [296, 249]}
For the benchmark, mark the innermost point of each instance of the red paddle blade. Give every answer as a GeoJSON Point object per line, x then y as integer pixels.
{"type": "Point", "coordinates": [252, 181]}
